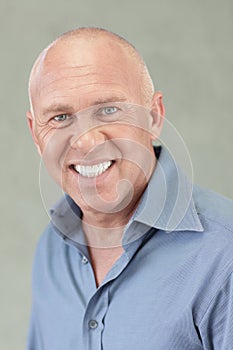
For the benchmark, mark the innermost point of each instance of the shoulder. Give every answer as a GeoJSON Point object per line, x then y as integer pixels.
{"type": "Point", "coordinates": [215, 213]}
{"type": "Point", "coordinates": [49, 247]}
{"type": "Point", "coordinates": [49, 239]}
{"type": "Point", "coordinates": [213, 208]}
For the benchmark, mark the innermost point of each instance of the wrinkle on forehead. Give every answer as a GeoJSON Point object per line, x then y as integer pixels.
{"type": "Point", "coordinates": [83, 75]}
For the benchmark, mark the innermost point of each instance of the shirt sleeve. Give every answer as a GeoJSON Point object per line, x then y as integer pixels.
{"type": "Point", "coordinates": [216, 327]}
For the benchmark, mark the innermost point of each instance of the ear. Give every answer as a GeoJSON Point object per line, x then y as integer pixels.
{"type": "Point", "coordinates": [158, 114]}
{"type": "Point", "coordinates": [31, 125]}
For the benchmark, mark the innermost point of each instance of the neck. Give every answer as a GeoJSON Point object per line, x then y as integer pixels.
{"type": "Point", "coordinates": [100, 237]}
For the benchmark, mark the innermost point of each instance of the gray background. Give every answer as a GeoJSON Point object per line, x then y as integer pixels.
{"type": "Point", "coordinates": [188, 47]}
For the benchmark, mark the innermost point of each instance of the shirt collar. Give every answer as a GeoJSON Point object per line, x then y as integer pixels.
{"type": "Point", "coordinates": [166, 204]}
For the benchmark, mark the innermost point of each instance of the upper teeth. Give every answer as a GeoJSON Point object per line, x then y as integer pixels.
{"type": "Point", "coordinates": [92, 170]}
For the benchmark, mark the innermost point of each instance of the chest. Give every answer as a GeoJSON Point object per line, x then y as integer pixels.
{"type": "Point", "coordinates": [102, 261]}
{"type": "Point", "coordinates": [140, 307]}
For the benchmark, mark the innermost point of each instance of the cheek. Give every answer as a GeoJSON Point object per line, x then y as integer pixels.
{"type": "Point", "coordinates": [44, 135]}
{"type": "Point", "coordinates": [137, 155]}
{"type": "Point", "coordinates": [135, 141]}
{"type": "Point", "coordinates": [55, 148]}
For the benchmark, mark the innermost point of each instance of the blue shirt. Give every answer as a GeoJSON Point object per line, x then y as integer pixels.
{"type": "Point", "coordinates": [172, 288]}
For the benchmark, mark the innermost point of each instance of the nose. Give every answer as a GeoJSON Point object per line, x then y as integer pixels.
{"type": "Point", "coordinates": [88, 140]}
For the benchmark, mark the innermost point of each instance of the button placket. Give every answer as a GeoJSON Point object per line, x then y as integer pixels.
{"type": "Point", "coordinates": [84, 259]}
{"type": "Point", "coordinates": [93, 319]}
{"type": "Point", "coordinates": [93, 324]}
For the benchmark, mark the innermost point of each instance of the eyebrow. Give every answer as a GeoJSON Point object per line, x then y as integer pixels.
{"type": "Point", "coordinates": [110, 99]}
{"type": "Point", "coordinates": [57, 108]}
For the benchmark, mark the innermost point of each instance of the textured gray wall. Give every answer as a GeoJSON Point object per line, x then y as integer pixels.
{"type": "Point", "coordinates": [188, 47]}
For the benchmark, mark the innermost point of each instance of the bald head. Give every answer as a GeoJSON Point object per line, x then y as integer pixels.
{"type": "Point", "coordinates": [92, 36]}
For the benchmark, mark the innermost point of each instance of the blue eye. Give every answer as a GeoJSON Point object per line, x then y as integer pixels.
{"type": "Point", "coordinates": [62, 120]}
{"type": "Point", "coordinates": [109, 110]}
{"type": "Point", "coordinates": [108, 113]}
{"type": "Point", "coordinates": [61, 117]}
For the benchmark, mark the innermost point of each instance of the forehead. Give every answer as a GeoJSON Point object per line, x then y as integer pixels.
{"type": "Point", "coordinates": [79, 67]}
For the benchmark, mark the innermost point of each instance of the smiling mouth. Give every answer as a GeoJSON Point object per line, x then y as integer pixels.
{"type": "Point", "coordinates": [93, 170]}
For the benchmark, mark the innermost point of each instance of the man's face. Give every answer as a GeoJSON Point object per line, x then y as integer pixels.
{"type": "Point", "coordinates": [104, 166]}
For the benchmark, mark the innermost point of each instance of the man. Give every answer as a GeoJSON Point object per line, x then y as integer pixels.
{"type": "Point", "coordinates": [132, 257]}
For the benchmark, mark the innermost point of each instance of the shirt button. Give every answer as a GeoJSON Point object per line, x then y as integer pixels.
{"type": "Point", "coordinates": [93, 324]}
{"type": "Point", "coordinates": [84, 260]}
